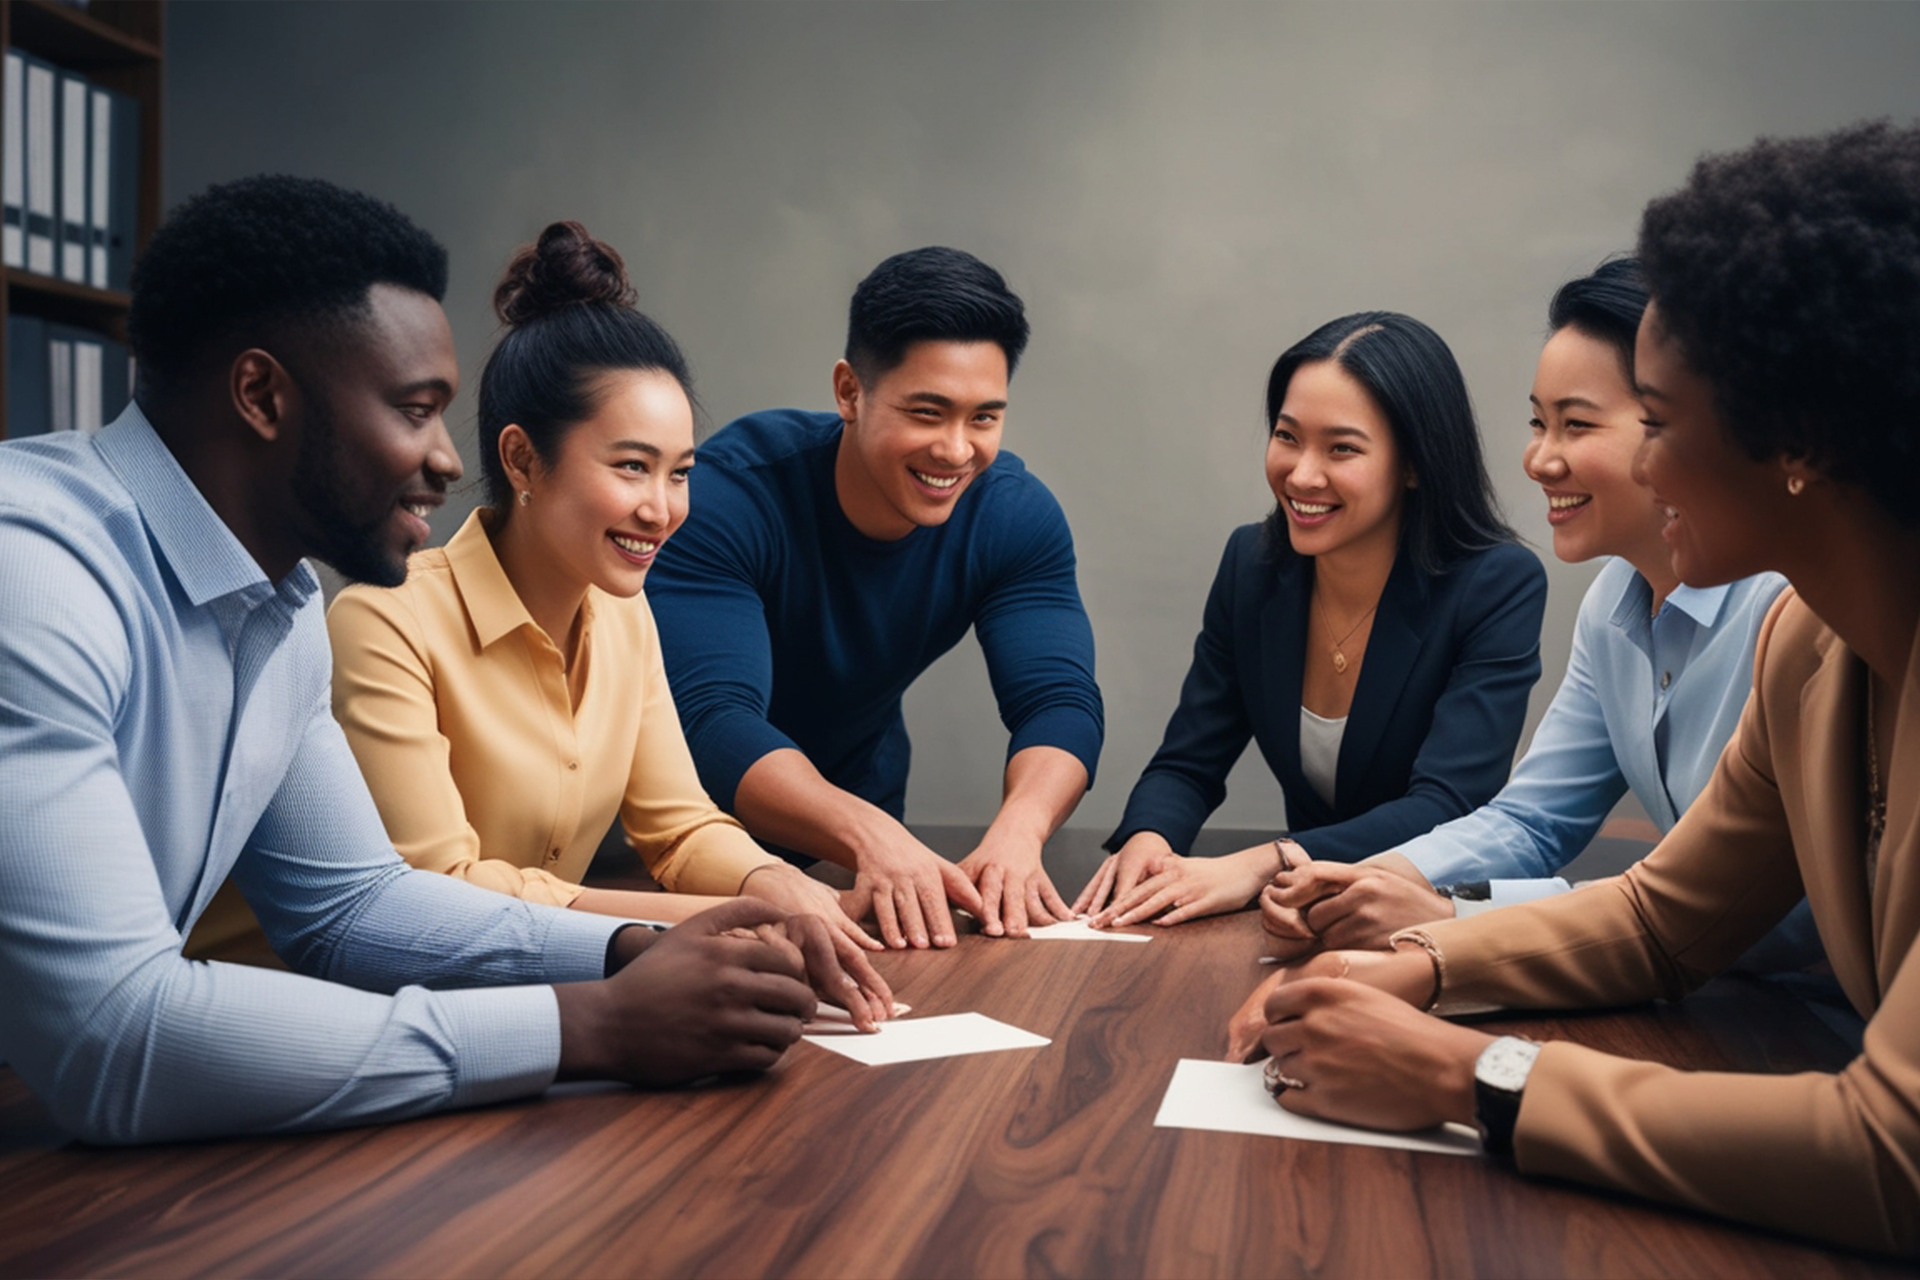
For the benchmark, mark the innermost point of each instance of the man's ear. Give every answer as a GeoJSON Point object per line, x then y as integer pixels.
{"type": "Point", "coordinates": [846, 391]}
{"type": "Point", "coordinates": [262, 391]}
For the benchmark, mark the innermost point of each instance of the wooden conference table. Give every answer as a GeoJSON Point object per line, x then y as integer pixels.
{"type": "Point", "coordinates": [1037, 1162]}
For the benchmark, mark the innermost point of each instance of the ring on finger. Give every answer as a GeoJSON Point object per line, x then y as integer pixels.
{"type": "Point", "coordinates": [1278, 1081]}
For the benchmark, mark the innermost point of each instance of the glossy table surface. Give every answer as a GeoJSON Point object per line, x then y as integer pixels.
{"type": "Point", "coordinates": [1040, 1162]}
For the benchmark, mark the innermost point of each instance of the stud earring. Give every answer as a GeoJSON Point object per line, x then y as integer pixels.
{"type": "Point", "coordinates": [525, 497]}
{"type": "Point", "coordinates": [1795, 484]}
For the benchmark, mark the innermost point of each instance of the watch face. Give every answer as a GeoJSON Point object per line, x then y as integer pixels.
{"type": "Point", "coordinates": [1504, 1064]}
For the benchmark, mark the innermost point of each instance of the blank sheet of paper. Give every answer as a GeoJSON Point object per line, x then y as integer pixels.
{"type": "Point", "coordinates": [1078, 931]}
{"type": "Point", "coordinates": [916, 1039]}
{"type": "Point", "coordinates": [1230, 1097]}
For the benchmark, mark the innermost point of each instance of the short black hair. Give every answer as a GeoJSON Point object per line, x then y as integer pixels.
{"type": "Point", "coordinates": [931, 295]}
{"type": "Point", "coordinates": [1606, 305]}
{"type": "Point", "coordinates": [1413, 378]}
{"type": "Point", "coordinates": [570, 317]}
{"type": "Point", "coordinates": [1788, 274]}
{"type": "Point", "coordinates": [249, 261]}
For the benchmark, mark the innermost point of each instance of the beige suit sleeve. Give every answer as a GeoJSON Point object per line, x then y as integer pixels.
{"type": "Point", "coordinates": [688, 843]}
{"type": "Point", "coordinates": [383, 699]}
{"type": "Point", "coordinates": [1835, 1157]}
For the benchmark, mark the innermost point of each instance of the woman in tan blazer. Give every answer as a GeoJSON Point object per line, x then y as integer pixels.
{"type": "Point", "coordinates": [1780, 370]}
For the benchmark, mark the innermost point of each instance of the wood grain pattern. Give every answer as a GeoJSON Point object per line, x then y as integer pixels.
{"type": "Point", "coordinates": [1026, 1163]}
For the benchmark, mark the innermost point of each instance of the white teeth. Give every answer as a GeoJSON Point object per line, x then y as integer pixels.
{"type": "Point", "coordinates": [1557, 503]}
{"type": "Point", "coordinates": [1310, 508]}
{"type": "Point", "coordinates": [417, 509]}
{"type": "Point", "coordinates": [634, 546]}
{"type": "Point", "coordinates": [936, 482]}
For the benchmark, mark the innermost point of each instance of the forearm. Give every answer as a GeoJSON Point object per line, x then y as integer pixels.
{"type": "Point", "coordinates": [664, 908]}
{"type": "Point", "coordinates": [784, 800]}
{"type": "Point", "coordinates": [1043, 786]}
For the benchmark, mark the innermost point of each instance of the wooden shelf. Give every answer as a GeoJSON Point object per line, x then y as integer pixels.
{"type": "Point", "coordinates": [76, 38]}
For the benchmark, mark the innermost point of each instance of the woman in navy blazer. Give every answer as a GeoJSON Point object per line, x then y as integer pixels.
{"type": "Point", "coordinates": [1377, 635]}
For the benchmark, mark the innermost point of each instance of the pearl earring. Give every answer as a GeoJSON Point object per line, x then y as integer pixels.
{"type": "Point", "coordinates": [525, 497]}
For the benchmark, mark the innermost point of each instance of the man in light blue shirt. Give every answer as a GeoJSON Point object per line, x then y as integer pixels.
{"type": "Point", "coordinates": [164, 720]}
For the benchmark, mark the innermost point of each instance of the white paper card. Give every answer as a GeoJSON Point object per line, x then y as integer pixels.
{"type": "Point", "coordinates": [947, 1036]}
{"type": "Point", "coordinates": [1077, 930]}
{"type": "Point", "coordinates": [1231, 1097]}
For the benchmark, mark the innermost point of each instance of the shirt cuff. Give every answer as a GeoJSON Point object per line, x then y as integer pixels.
{"type": "Point", "coordinates": [508, 1038]}
{"type": "Point", "coordinates": [575, 948]}
{"type": "Point", "coordinates": [1504, 893]}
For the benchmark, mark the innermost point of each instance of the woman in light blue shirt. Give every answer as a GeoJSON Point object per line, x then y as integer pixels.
{"type": "Point", "coordinates": [1655, 685]}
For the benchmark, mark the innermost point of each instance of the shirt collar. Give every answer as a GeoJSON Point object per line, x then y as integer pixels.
{"type": "Point", "coordinates": [205, 557]}
{"type": "Point", "coordinates": [492, 605]}
{"type": "Point", "coordinates": [1702, 604]}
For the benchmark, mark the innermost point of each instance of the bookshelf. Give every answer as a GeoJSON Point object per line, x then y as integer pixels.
{"type": "Point", "coordinates": [118, 44]}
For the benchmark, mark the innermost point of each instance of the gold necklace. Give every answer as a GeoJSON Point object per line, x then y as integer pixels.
{"type": "Point", "coordinates": [1339, 656]}
{"type": "Point", "coordinates": [1876, 801]}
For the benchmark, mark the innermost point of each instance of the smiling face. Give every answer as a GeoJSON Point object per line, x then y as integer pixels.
{"type": "Point", "coordinates": [918, 436]}
{"type": "Point", "coordinates": [374, 455]}
{"type": "Point", "coordinates": [1334, 466]}
{"type": "Point", "coordinates": [617, 490]}
{"type": "Point", "coordinates": [1728, 516]}
{"type": "Point", "coordinates": [1586, 430]}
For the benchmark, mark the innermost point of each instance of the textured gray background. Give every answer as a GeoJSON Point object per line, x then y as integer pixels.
{"type": "Point", "coordinates": [1179, 191]}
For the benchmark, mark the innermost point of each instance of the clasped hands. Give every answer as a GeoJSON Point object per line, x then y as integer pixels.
{"type": "Point", "coordinates": [1349, 1043]}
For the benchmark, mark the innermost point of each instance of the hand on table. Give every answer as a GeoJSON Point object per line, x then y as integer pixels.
{"type": "Point", "coordinates": [1014, 888]}
{"type": "Point", "coordinates": [906, 886]}
{"type": "Point", "coordinates": [697, 1001]}
{"type": "Point", "coordinates": [801, 896]}
{"type": "Point", "coordinates": [1333, 905]}
{"type": "Point", "coordinates": [836, 970]}
{"type": "Point", "coordinates": [1146, 881]}
{"type": "Point", "coordinates": [1406, 975]}
{"type": "Point", "coordinates": [1352, 1053]}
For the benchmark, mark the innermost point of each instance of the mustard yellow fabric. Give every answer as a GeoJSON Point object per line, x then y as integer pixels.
{"type": "Point", "coordinates": [1836, 1156]}
{"type": "Point", "coordinates": [491, 762]}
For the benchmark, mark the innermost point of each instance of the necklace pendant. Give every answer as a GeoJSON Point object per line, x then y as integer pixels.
{"type": "Point", "coordinates": [1339, 663]}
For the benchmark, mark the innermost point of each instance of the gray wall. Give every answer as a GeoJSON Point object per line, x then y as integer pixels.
{"type": "Point", "coordinates": [1178, 190]}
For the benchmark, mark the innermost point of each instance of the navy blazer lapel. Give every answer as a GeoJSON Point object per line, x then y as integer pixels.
{"type": "Point", "coordinates": [1283, 649]}
{"type": "Point", "coordinates": [1392, 649]}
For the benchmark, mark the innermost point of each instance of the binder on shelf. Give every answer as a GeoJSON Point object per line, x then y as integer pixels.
{"type": "Point", "coordinates": [86, 378]}
{"type": "Point", "coordinates": [13, 232]}
{"type": "Point", "coordinates": [42, 131]}
{"type": "Point", "coordinates": [116, 191]}
{"type": "Point", "coordinates": [29, 385]}
{"type": "Point", "coordinates": [75, 136]}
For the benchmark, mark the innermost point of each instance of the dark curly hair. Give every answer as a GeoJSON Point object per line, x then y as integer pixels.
{"type": "Point", "coordinates": [1789, 276]}
{"type": "Point", "coordinates": [934, 294]}
{"type": "Point", "coordinates": [570, 317]}
{"type": "Point", "coordinates": [249, 262]}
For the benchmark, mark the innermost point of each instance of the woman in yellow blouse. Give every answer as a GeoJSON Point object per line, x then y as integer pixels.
{"type": "Point", "coordinates": [508, 701]}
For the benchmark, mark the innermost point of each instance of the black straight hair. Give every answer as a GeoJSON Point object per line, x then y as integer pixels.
{"type": "Point", "coordinates": [1416, 383]}
{"type": "Point", "coordinates": [930, 295]}
{"type": "Point", "coordinates": [570, 317]}
{"type": "Point", "coordinates": [1605, 305]}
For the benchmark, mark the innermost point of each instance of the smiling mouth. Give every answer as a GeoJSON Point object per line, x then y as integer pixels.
{"type": "Point", "coordinates": [1312, 508]}
{"type": "Point", "coordinates": [634, 546]}
{"type": "Point", "coordinates": [936, 482]}
{"type": "Point", "coordinates": [1568, 502]}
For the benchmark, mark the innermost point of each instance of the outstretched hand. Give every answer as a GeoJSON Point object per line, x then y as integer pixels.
{"type": "Point", "coordinates": [1015, 890]}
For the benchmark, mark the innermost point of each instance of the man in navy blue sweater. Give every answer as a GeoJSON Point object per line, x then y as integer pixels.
{"type": "Point", "coordinates": [830, 558]}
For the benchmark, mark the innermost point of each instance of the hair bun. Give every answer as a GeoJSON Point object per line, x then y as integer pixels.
{"type": "Point", "coordinates": [566, 267]}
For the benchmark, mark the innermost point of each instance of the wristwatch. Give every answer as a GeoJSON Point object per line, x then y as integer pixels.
{"type": "Point", "coordinates": [1499, 1076]}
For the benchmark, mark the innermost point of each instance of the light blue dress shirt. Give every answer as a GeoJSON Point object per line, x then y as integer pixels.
{"type": "Point", "coordinates": [1647, 703]}
{"type": "Point", "coordinates": [163, 720]}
